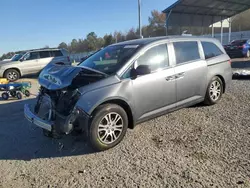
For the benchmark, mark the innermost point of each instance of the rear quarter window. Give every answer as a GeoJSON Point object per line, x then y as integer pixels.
{"type": "Point", "coordinates": [44, 54]}
{"type": "Point", "coordinates": [186, 51]}
{"type": "Point", "coordinates": [211, 50]}
{"type": "Point", "coordinates": [56, 53]}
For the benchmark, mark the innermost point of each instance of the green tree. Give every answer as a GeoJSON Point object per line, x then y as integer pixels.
{"type": "Point", "coordinates": [131, 35]}
{"type": "Point", "coordinates": [108, 39]}
{"type": "Point", "coordinates": [100, 42]}
{"type": "Point", "coordinates": [63, 45]}
{"type": "Point", "coordinates": [156, 25]}
{"type": "Point", "coordinates": [73, 46]}
{"type": "Point", "coordinates": [92, 41]}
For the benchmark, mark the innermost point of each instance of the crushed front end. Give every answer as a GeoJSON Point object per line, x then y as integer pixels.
{"type": "Point", "coordinates": [55, 110]}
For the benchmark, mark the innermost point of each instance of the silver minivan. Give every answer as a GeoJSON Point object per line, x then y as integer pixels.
{"type": "Point", "coordinates": [128, 83]}
{"type": "Point", "coordinates": [32, 62]}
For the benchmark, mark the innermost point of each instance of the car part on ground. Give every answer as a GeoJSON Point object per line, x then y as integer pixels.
{"type": "Point", "coordinates": [241, 72]}
{"type": "Point", "coordinates": [128, 83]}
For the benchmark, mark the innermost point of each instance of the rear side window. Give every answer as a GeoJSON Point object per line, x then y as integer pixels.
{"type": "Point", "coordinates": [186, 51]}
{"type": "Point", "coordinates": [211, 50]}
{"type": "Point", "coordinates": [155, 58]}
{"type": "Point", "coordinates": [32, 55]}
{"type": "Point", "coordinates": [44, 54]}
{"type": "Point", "coordinates": [56, 53]}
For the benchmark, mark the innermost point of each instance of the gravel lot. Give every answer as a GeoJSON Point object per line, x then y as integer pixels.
{"type": "Point", "coordinates": [193, 147]}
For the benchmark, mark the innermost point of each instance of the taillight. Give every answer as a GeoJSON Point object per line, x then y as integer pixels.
{"type": "Point", "coordinates": [230, 61]}
{"type": "Point", "coordinates": [243, 46]}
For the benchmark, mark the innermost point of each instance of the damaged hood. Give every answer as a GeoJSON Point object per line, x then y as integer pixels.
{"type": "Point", "coordinates": [54, 77]}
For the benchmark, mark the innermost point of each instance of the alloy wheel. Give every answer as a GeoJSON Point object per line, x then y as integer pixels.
{"type": "Point", "coordinates": [12, 76]}
{"type": "Point", "coordinates": [215, 90]}
{"type": "Point", "coordinates": [110, 128]}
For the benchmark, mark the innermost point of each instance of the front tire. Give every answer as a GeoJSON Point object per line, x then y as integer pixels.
{"type": "Point", "coordinates": [108, 127]}
{"type": "Point", "coordinates": [214, 91]}
{"type": "Point", "coordinates": [12, 75]}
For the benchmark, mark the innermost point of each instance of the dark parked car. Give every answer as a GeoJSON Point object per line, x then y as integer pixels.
{"type": "Point", "coordinates": [238, 48]}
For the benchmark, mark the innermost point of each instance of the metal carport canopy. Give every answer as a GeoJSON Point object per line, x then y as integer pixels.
{"type": "Point", "coordinates": [203, 13]}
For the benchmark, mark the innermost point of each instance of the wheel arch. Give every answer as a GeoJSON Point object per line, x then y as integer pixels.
{"type": "Point", "coordinates": [124, 105]}
{"type": "Point", "coordinates": [17, 69]}
{"type": "Point", "coordinates": [223, 81]}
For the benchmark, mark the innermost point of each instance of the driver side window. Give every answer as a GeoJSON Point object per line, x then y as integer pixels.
{"type": "Point", "coordinates": [154, 58]}
{"type": "Point", "coordinates": [31, 56]}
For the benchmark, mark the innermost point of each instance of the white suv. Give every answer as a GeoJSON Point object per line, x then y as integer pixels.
{"type": "Point", "coordinates": [33, 62]}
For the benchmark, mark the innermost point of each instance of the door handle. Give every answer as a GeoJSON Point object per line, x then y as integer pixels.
{"type": "Point", "coordinates": [170, 78]}
{"type": "Point", "coordinates": [180, 75]}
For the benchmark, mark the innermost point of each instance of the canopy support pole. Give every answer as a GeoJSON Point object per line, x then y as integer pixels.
{"type": "Point", "coordinates": [221, 34]}
{"type": "Point", "coordinates": [230, 30]}
{"type": "Point", "coordinates": [202, 25]}
{"type": "Point", "coordinates": [169, 14]}
{"type": "Point", "coordinates": [212, 26]}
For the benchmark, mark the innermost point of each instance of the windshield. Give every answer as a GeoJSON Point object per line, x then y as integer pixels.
{"type": "Point", "coordinates": [17, 57]}
{"type": "Point", "coordinates": [238, 42]}
{"type": "Point", "coordinates": [110, 59]}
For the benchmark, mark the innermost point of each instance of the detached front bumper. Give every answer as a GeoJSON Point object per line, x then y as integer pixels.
{"type": "Point", "coordinates": [241, 72]}
{"type": "Point", "coordinates": [31, 117]}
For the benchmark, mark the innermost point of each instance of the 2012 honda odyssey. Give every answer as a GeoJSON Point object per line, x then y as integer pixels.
{"type": "Point", "coordinates": [127, 83]}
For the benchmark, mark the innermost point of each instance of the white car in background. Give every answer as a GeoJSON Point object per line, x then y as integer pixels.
{"type": "Point", "coordinates": [14, 57]}
{"type": "Point", "coordinates": [7, 59]}
{"type": "Point", "coordinates": [32, 62]}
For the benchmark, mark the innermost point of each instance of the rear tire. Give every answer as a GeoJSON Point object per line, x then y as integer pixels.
{"type": "Point", "coordinates": [12, 75]}
{"type": "Point", "coordinates": [108, 127]}
{"type": "Point", "coordinates": [214, 91]}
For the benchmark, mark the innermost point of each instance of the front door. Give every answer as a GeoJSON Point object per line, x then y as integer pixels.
{"type": "Point", "coordinates": [190, 72]}
{"type": "Point", "coordinates": [155, 91]}
{"type": "Point", "coordinates": [30, 63]}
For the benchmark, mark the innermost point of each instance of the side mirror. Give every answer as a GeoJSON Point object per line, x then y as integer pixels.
{"type": "Point", "coordinates": [143, 69]}
{"type": "Point", "coordinates": [140, 70]}
{"type": "Point", "coordinates": [21, 60]}
{"type": "Point", "coordinates": [133, 74]}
